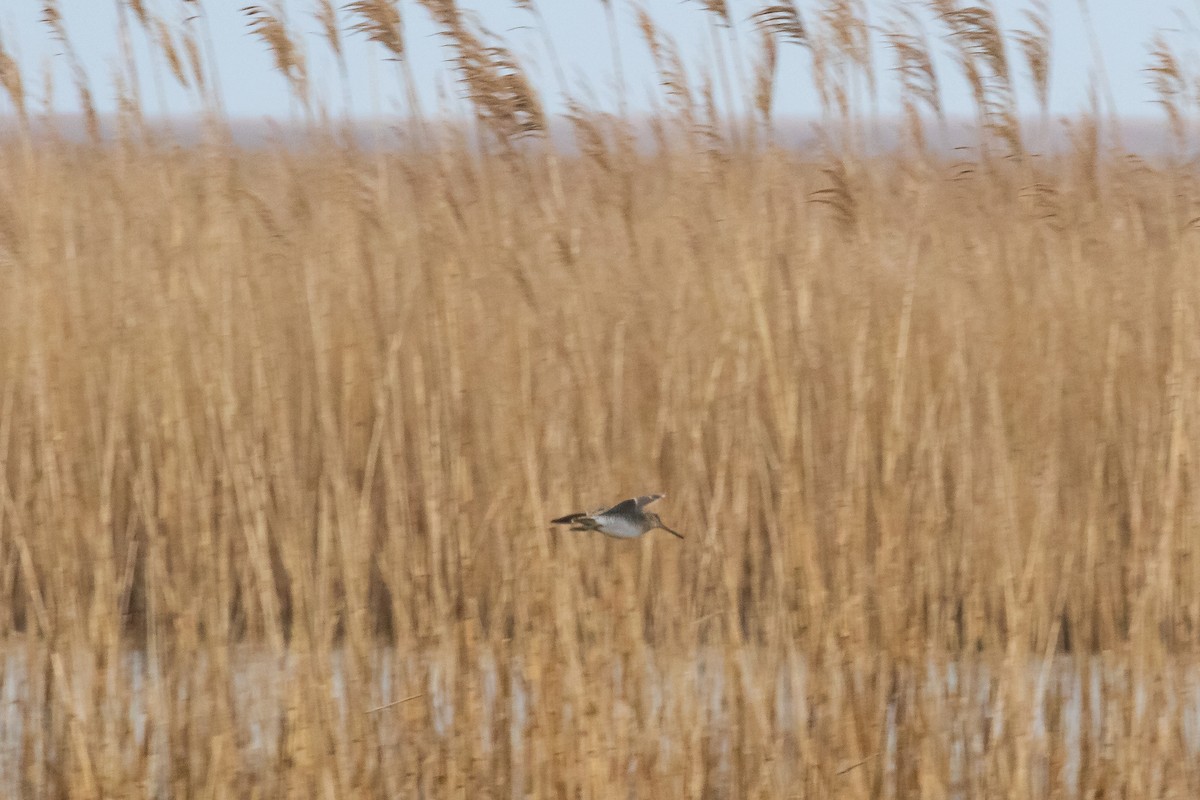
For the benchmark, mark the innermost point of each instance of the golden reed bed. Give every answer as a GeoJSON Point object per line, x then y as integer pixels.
{"type": "Point", "coordinates": [281, 432]}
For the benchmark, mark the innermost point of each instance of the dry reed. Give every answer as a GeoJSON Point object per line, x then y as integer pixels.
{"type": "Point", "coordinates": [280, 433]}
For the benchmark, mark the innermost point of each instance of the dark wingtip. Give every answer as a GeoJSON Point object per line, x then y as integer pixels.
{"type": "Point", "coordinates": [567, 520]}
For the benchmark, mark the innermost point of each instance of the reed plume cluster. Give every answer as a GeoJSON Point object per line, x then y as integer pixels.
{"type": "Point", "coordinates": [281, 430]}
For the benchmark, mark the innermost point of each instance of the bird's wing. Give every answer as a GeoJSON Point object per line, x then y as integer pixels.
{"type": "Point", "coordinates": [624, 507]}
{"type": "Point", "coordinates": [568, 519]}
{"type": "Point", "coordinates": [647, 499]}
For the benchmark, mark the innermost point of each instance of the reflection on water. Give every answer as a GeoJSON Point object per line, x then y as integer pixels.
{"type": "Point", "coordinates": [1073, 701]}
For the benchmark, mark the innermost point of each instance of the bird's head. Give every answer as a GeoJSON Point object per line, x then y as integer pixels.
{"type": "Point", "coordinates": [656, 522]}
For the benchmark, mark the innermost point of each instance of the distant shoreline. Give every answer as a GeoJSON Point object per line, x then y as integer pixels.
{"type": "Point", "coordinates": [1135, 135]}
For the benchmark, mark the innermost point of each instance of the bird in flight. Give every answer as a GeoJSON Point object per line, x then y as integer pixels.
{"type": "Point", "coordinates": [626, 520]}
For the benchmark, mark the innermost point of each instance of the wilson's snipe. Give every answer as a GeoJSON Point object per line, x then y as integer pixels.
{"type": "Point", "coordinates": [626, 520]}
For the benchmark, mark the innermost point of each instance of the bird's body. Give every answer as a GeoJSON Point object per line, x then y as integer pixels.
{"type": "Point", "coordinates": [626, 520]}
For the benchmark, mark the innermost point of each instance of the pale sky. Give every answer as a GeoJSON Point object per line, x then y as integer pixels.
{"type": "Point", "coordinates": [250, 87]}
